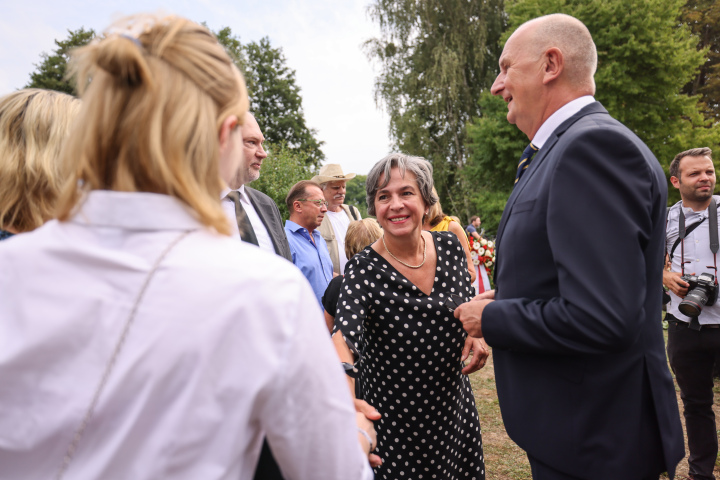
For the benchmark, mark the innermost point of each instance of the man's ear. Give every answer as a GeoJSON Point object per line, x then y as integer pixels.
{"type": "Point", "coordinates": [226, 130]}
{"type": "Point", "coordinates": [554, 64]}
{"type": "Point", "coordinates": [675, 182]}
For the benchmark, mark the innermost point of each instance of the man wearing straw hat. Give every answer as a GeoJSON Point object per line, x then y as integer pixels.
{"type": "Point", "coordinates": [332, 180]}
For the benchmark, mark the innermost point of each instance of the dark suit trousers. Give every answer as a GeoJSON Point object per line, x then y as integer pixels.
{"type": "Point", "coordinates": [692, 356]}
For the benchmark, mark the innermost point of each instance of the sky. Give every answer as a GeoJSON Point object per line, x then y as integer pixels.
{"type": "Point", "coordinates": [321, 39]}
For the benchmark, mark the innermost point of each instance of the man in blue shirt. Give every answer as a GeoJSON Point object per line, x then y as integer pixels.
{"type": "Point", "coordinates": [472, 228]}
{"type": "Point", "coordinates": [307, 206]}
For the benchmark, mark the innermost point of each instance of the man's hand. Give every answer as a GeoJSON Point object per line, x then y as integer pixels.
{"type": "Point", "coordinates": [675, 284]}
{"type": "Point", "coordinates": [480, 353]}
{"type": "Point", "coordinates": [487, 295]}
{"type": "Point", "coordinates": [369, 412]}
{"type": "Point", "coordinates": [470, 314]}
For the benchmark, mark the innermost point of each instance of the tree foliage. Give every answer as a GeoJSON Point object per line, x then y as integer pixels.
{"type": "Point", "coordinates": [283, 168]}
{"type": "Point", "coordinates": [436, 56]}
{"type": "Point", "coordinates": [703, 18]}
{"type": "Point", "coordinates": [51, 72]}
{"type": "Point", "coordinates": [494, 148]}
{"type": "Point", "coordinates": [275, 98]}
{"type": "Point", "coordinates": [274, 95]}
{"type": "Point", "coordinates": [276, 102]}
{"type": "Point", "coordinates": [355, 194]}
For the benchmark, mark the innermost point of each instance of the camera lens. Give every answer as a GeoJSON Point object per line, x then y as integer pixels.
{"type": "Point", "coordinates": [692, 304]}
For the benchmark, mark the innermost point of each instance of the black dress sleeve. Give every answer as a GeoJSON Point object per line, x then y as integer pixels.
{"type": "Point", "coordinates": [330, 298]}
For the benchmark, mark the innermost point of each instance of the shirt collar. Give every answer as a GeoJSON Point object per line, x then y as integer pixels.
{"type": "Point", "coordinates": [241, 191]}
{"type": "Point", "coordinates": [557, 118]}
{"type": "Point", "coordinates": [294, 227]}
{"type": "Point", "coordinates": [134, 211]}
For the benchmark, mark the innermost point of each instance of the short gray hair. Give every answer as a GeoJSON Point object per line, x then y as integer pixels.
{"type": "Point", "coordinates": [420, 167]}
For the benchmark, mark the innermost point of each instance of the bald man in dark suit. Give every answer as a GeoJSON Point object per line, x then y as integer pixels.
{"type": "Point", "coordinates": [581, 372]}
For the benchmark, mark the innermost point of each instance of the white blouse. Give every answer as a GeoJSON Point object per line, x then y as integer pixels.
{"type": "Point", "coordinates": [228, 346]}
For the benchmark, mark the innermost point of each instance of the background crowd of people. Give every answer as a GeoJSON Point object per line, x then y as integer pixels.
{"type": "Point", "coordinates": [159, 319]}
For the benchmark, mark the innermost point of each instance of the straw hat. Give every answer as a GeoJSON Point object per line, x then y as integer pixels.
{"type": "Point", "coordinates": [332, 172]}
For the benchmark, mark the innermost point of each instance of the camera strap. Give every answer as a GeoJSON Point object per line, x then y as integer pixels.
{"type": "Point", "coordinates": [687, 232]}
{"type": "Point", "coordinates": [714, 244]}
{"type": "Point", "coordinates": [682, 233]}
{"type": "Point", "coordinates": [713, 221]}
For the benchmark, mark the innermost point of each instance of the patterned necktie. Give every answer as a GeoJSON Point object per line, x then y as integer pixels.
{"type": "Point", "coordinates": [525, 160]}
{"type": "Point", "coordinates": [247, 234]}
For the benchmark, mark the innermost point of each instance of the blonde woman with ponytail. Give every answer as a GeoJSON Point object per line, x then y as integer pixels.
{"type": "Point", "coordinates": [137, 339]}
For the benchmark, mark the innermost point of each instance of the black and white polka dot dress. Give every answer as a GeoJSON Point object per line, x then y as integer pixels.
{"type": "Point", "coordinates": [411, 346]}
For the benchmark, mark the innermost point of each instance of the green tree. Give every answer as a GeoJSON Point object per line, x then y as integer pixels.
{"type": "Point", "coordinates": [282, 169]}
{"type": "Point", "coordinates": [493, 145]}
{"type": "Point", "coordinates": [276, 102]}
{"type": "Point", "coordinates": [703, 18]}
{"type": "Point", "coordinates": [436, 56]}
{"type": "Point", "coordinates": [274, 95]}
{"type": "Point", "coordinates": [233, 47]}
{"type": "Point", "coordinates": [51, 72]}
{"type": "Point", "coordinates": [355, 194]}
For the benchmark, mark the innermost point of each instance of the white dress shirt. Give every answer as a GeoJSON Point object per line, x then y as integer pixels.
{"type": "Point", "coordinates": [228, 346]}
{"type": "Point", "coordinates": [263, 237]}
{"type": "Point", "coordinates": [557, 118]}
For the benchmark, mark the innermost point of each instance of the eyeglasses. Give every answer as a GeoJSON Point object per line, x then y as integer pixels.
{"type": "Point", "coordinates": [318, 203]}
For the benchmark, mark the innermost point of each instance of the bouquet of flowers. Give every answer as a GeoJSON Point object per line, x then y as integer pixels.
{"type": "Point", "coordinates": [482, 252]}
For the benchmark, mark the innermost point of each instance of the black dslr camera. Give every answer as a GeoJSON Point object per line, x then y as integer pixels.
{"type": "Point", "coordinates": [701, 292]}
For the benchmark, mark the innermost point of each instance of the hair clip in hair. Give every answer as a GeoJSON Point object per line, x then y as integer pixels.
{"type": "Point", "coordinates": [135, 26]}
{"type": "Point", "coordinates": [132, 39]}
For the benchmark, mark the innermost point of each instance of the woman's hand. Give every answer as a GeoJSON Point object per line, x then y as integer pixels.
{"type": "Point", "coordinates": [366, 413]}
{"type": "Point", "coordinates": [480, 353]}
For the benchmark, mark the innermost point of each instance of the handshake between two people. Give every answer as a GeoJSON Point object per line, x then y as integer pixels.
{"type": "Point", "coordinates": [365, 415]}
{"type": "Point", "coordinates": [470, 314]}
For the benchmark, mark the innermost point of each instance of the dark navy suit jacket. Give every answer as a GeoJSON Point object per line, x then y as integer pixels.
{"type": "Point", "coordinates": [270, 216]}
{"type": "Point", "coordinates": [580, 366]}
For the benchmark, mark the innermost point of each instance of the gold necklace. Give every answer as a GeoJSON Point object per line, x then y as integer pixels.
{"type": "Point", "coordinates": [406, 264]}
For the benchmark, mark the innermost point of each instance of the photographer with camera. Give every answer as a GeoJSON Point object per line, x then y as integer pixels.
{"type": "Point", "coordinates": [693, 313]}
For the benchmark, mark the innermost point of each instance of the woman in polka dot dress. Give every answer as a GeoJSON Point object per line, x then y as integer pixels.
{"type": "Point", "coordinates": [395, 314]}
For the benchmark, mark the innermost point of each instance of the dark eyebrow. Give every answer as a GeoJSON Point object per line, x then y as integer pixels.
{"type": "Point", "coordinates": [403, 188]}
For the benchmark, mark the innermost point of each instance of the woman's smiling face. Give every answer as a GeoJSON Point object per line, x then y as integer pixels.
{"type": "Point", "coordinates": [399, 206]}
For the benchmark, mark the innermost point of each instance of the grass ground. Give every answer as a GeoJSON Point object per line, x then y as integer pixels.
{"type": "Point", "coordinates": [506, 461]}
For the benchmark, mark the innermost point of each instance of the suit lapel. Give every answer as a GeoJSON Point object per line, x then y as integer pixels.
{"type": "Point", "coordinates": [594, 107]}
{"type": "Point", "coordinates": [260, 209]}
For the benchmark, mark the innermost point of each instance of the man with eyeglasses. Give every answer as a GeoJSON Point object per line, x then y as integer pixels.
{"type": "Point", "coordinates": [255, 217]}
{"type": "Point", "coordinates": [307, 206]}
